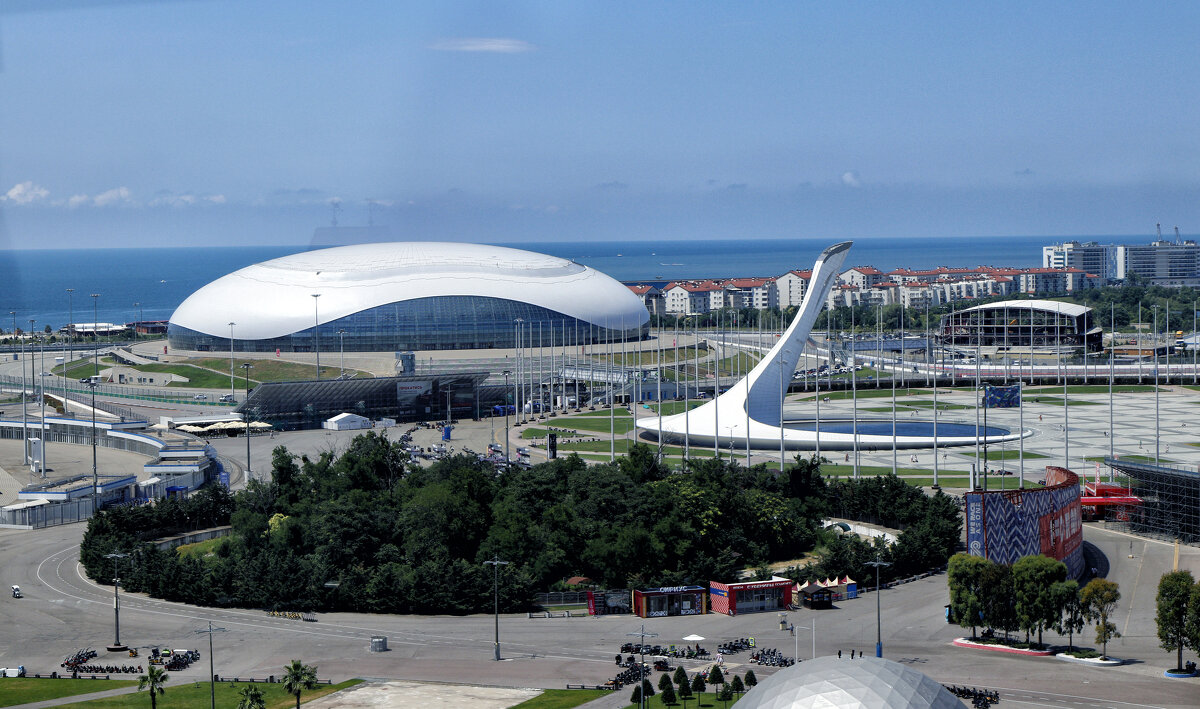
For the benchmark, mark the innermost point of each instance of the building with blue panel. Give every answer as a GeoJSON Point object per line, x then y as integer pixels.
{"type": "Point", "coordinates": [407, 296]}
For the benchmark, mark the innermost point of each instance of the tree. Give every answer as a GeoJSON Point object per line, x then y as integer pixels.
{"type": "Point", "coordinates": [153, 680]}
{"type": "Point", "coordinates": [698, 685]}
{"type": "Point", "coordinates": [1070, 619]}
{"type": "Point", "coordinates": [996, 594]}
{"type": "Point", "coordinates": [964, 576]}
{"type": "Point", "coordinates": [725, 694]}
{"type": "Point", "coordinates": [1192, 625]}
{"type": "Point", "coordinates": [664, 681]}
{"type": "Point", "coordinates": [251, 698]}
{"type": "Point", "coordinates": [1036, 606]}
{"type": "Point", "coordinates": [1172, 603]}
{"type": "Point", "coordinates": [668, 695]}
{"type": "Point", "coordinates": [736, 685]}
{"type": "Point", "coordinates": [680, 675]}
{"type": "Point", "coordinates": [685, 693]}
{"type": "Point", "coordinates": [647, 688]}
{"type": "Point", "coordinates": [299, 677]}
{"type": "Point", "coordinates": [1099, 599]}
{"type": "Point", "coordinates": [636, 697]}
{"type": "Point", "coordinates": [715, 676]}
{"type": "Point", "coordinates": [751, 680]}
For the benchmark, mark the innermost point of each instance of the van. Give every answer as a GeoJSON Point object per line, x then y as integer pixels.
{"type": "Point", "coordinates": [226, 397]}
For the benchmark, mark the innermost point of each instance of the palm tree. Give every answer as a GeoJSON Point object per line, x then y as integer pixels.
{"type": "Point", "coordinates": [298, 678]}
{"type": "Point", "coordinates": [252, 698]}
{"type": "Point", "coordinates": [154, 679]}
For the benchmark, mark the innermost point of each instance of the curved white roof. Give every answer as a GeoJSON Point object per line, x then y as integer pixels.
{"type": "Point", "coordinates": [866, 683]}
{"type": "Point", "coordinates": [274, 298]}
{"type": "Point", "coordinates": [1050, 306]}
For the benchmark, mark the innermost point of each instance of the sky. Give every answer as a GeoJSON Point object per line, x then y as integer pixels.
{"type": "Point", "coordinates": [203, 122]}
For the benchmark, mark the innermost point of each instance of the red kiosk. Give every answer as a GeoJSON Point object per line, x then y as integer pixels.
{"type": "Point", "coordinates": [750, 596]}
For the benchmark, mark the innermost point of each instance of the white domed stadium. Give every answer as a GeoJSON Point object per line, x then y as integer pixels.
{"type": "Point", "coordinates": [866, 683]}
{"type": "Point", "coordinates": [407, 296]}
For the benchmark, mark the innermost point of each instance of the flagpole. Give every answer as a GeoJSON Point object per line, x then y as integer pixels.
{"type": "Point", "coordinates": [1021, 431]}
{"type": "Point", "coordinates": [1066, 413]}
{"type": "Point", "coordinates": [1112, 344]}
{"type": "Point", "coordinates": [854, 389]}
{"type": "Point", "coordinates": [936, 366]}
{"type": "Point", "coordinates": [717, 389]}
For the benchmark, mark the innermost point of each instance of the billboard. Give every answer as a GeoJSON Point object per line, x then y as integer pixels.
{"type": "Point", "coordinates": [1005, 525]}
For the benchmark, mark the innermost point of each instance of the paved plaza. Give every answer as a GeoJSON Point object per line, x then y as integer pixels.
{"type": "Point", "coordinates": [63, 611]}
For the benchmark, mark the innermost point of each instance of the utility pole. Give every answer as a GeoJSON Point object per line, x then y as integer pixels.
{"type": "Point", "coordinates": [212, 673]}
{"type": "Point", "coordinates": [642, 668]}
{"type": "Point", "coordinates": [496, 563]}
{"type": "Point", "coordinates": [878, 617]}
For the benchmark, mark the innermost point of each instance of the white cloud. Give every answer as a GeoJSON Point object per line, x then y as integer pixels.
{"type": "Point", "coordinates": [25, 193]}
{"type": "Point", "coordinates": [78, 200]}
{"type": "Point", "coordinates": [215, 199]}
{"type": "Point", "coordinates": [117, 195]}
{"type": "Point", "coordinates": [498, 45]}
{"type": "Point", "coordinates": [850, 179]}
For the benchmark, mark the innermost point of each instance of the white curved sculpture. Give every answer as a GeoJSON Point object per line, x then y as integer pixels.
{"type": "Point", "coordinates": [756, 401]}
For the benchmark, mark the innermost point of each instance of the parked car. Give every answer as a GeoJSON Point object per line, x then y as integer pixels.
{"type": "Point", "coordinates": [200, 397]}
{"type": "Point", "coordinates": [226, 397]}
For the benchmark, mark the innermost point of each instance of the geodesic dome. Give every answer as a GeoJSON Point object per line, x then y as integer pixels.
{"type": "Point", "coordinates": [866, 683]}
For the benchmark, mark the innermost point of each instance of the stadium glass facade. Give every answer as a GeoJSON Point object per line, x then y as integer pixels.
{"type": "Point", "coordinates": [435, 323]}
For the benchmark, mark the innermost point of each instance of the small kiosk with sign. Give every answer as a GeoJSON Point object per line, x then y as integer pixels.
{"type": "Point", "coordinates": [750, 596]}
{"type": "Point", "coordinates": [669, 600]}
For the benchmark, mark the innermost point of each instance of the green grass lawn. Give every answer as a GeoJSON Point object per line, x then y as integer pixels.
{"type": "Point", "coordinates": [1002, 454]}
{"type": "Point", "coordinates": [620, 424]}
{"type": "Point", "coordinates": [698, 701]}
{"type": "Point", "coordinates": [1091, 389]}
{"type": "Point", "coordinates": [867, 394]}
{"type": "Point", "coordinates": [273, 370]}
{"type": "Point", "coordinates": [562, 698]}
{"type": "Point", "coordinates": [1126, 456]}
{"type": "Point", "coordinates": [540, 433]}
{"type": "Point", "coordinates": [1057, 401]}
{"type": "Point", "coordinates": [195, 695]}
{"type": "Point", "coordinates": [23, 690]}
{"type": "Point", "coordinates": [199, 549]}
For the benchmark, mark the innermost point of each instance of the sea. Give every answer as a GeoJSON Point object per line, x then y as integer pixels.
{"type": "Point", "coordinates": [148, 284]}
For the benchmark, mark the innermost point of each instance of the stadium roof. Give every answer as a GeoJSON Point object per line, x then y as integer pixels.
{"type": "Point", "coordinates": [866, 683]}
{"type": "Point", "coordinates": [274, 298]}
{"type": "Point", "coordinates": [1050, 306]}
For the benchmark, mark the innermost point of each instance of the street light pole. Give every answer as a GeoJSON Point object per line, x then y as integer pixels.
{"type": "Point", "coordinates": [495, 563]}
{"type": "Point", "coordinates": [341, 353]}
{"type": "Point", "coordinates": [231, 391]}
{"type": "Point", "coordinates": [116, 646]}
{"type": "Point", "coordinates": [95, 476]}
{"type": "Point", "coordinates": [642, 667]}
{"type": "Point", "coordinates": [71, 330]}
{"type": "Point", "coordinates": [506, 454]}
{"type": "Point", "coordinates": [95, 335]}
{"type": "Point", "coordinates": [212, 672]}
{"type": "Point", "coordinates": [878, 617]}
{"type": "Point", "coordinates": [246, 366]}
{"type": "Point", "coordinates": [317, 333]}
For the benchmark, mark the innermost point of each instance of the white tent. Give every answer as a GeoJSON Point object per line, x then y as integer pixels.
{"type": "Point", "coordinates": [347, 422]}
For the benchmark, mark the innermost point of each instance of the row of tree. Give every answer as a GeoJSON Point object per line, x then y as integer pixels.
{"type": "Point", "coordinates": [1032, 595]}
{"type": "Point", "coordinates": [678, 686]}
{"type": "Point", "coordinates": [368, 530]}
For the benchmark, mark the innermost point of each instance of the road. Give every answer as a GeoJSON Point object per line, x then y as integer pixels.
{"type": "Point", "coordinates": [63, 611]}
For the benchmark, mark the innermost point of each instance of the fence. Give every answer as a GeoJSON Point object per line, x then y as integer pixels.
{"type": "Point", "coordinates": [46, 515]}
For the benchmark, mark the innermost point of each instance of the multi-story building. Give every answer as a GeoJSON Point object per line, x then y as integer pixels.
{"type": "Point", "coordinates": [791, 287]}
{"type": "Point", "coordinates": [1165, 263]}
{"type": "Point", "coordinates": [1089, 257]}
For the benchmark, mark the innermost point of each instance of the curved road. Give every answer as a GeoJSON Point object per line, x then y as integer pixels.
{"type": "Point", "coordinates": [64, 611]}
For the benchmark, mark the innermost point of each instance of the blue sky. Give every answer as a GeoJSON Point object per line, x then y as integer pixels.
{"type": "Point", "coordinates": [206, 122]}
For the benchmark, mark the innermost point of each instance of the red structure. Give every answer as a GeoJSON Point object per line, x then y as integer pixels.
{"type": "Point", "coordinates": [750, 596]}
{"type": "Point", "coordinates": [669, 600]}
